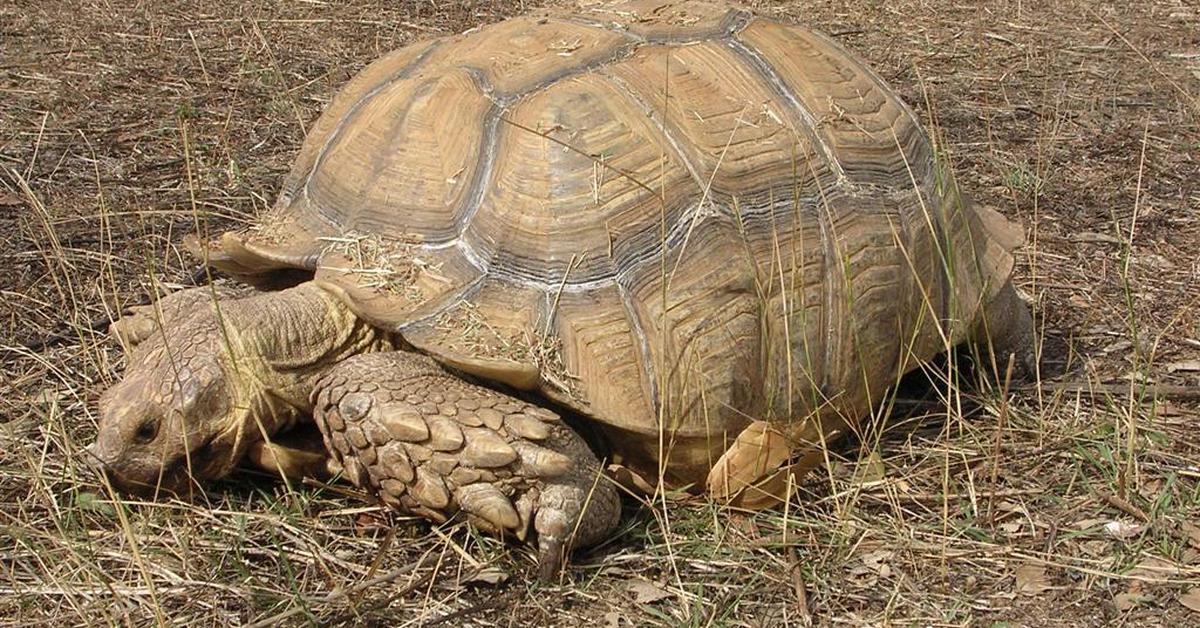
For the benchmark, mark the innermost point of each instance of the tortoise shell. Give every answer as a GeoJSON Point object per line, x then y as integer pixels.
{"type": "Point", "coordinates": [672, 217]}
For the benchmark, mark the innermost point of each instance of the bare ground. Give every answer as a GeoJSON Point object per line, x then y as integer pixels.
{"type": "Point", "coordinates": [123, 127]}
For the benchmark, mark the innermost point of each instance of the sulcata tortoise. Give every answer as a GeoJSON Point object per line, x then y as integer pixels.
{"type": "Point", "coordinates": [712, 239]}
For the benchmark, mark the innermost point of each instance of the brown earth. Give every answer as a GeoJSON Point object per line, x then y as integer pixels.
{"type": "Point", "coordinates": [125, 126]}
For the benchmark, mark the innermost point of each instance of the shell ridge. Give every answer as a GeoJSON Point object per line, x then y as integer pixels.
{"type": "Point", "coordinates": [771, 77]}
{"type": "Point", "coordinates": [479, 184]}
{"type": "Point", "coordinates": [336, 134]}
{"type": "Point", "coordinates": [648, 370]}
{"type": "Point", "coordinates": [659, 123]}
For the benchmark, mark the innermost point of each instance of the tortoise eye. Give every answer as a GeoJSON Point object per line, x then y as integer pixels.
{"type": "Point", "coordinates": [147, 431]}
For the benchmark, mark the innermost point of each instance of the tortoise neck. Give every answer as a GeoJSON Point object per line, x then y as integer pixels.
{"type": "Point", "coordinates": [289, 339]}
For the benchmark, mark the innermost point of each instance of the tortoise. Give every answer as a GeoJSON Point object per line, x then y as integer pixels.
{"type": "Point", "coordinates": [699, 241]}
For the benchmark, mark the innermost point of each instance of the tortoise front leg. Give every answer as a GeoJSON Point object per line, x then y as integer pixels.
{"type": "Point", "coordinates": [297, 454]}
{"type": "Point", "coordinates": [430, 444]}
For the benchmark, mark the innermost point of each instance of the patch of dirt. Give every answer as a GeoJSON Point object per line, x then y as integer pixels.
{"type": "Point", "coordinates": [124, 127]}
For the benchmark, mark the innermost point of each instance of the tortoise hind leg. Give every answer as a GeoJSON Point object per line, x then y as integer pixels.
{"type": "Point", "coordinates": [430, 444]}
{"type": "Point", "coordinates": [1005, 329]}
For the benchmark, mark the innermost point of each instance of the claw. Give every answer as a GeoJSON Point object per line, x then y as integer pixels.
{"type": "Point", "coordinates": [550, 559]}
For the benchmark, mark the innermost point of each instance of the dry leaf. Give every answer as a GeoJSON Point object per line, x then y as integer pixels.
{"type": "Point", "coordinates": [1091, 236]}
{"type": "Point", "coordinates": [1122, 529]}
{"type": "Point", "coordinates": [1032, 579]}
{"type": "Point", "coordinates": [869, 469]}
{"type": "Point", "coordinates": [863, 577]}
{"type": "Point", "coordinates": [1193, 533]}
{"type": "Point", "coordinates": [49, 397]}
{"type": "Point", "coordinates": [1127, 601]}
{"type": "Point", "coordinates": [1191, 599]}
{"type": "Point", "coordinates": [1010, 528]}
{"type": "Point", "coordinates": [877, 561]}
{"type": "Point", "coordinates": [1087, 525]}
{"type": "Point", "coordinates": [646, 592]}
{"type": "Point", "coordinates": [1155, 568]}
{"type": "Point", "coordinates": [1185, 365]}
{"type": "Point", "coordinates": [1131, 598]}
{"type": "Point", "coordinates": [1096, 548]}
{"type": "Point", "coordinates": [489, 575]}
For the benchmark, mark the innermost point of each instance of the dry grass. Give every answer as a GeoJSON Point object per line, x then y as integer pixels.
{"type": "Point", "coordinates": [1070, 503]}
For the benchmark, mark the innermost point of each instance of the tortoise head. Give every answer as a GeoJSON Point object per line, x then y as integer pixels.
{"type": "Point", "coordinates": [184, 411]}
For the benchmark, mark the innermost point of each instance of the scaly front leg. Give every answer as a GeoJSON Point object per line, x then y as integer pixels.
{"type": "Point", "coordinates": [431, 444]}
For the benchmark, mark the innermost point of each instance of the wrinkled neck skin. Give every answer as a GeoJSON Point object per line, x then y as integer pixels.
{"type": "Point", "coordinates": [279, 345]}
